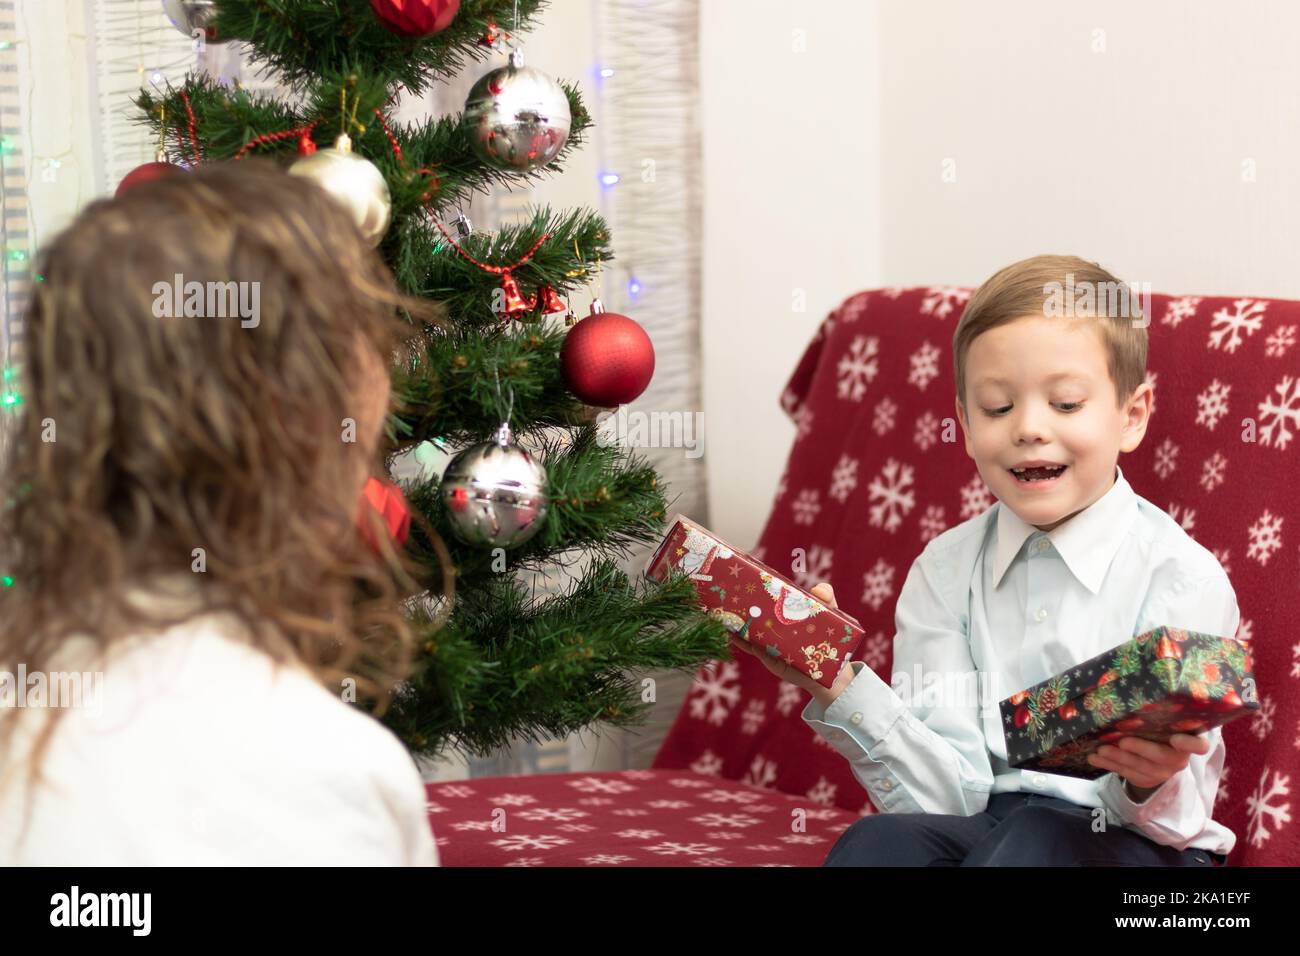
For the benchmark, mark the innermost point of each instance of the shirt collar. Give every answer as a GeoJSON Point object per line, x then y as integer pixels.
{"type": "Point", "coordinates": [1087, 542]}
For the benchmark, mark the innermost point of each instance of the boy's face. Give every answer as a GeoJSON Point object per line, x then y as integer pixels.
{"type": "Point", "coordinates": [1071, 420]}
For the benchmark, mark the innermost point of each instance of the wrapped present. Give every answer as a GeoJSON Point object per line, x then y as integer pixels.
{"type": "Point", "coordinates": [1164, 681]}
{"type": "Point", "coordinates": [755, 602]}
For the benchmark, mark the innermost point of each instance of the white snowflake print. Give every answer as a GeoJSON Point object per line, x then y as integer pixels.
{"type": "Point", "coordinates": [855, 308]}
{"type": "Point", "coordinates": [471, 825]}
{"type": "Point", "coordinates": [724, 835]}
{"type": "Point", "coordinates": [844, 478]}
{"type": "Point", "coordinates": [512, 800]}
{"type": "Point", "coordinates": [1186, 519]}
{"type": "Point", "coordinates": [892, 291]}
{"type": "Point", "coordinates": [735, 796]}
{"type": "Point", "coordinates": [806, 506]}
{"type": "Point", "coordinates": [691, 783]}
{"type": "Point", "coordinates": [1222, 558]}
{"type": "Point", "coordinates": [1265, 537]}
{"type": "Point", "coordinates": [638, 834]}
{"type": "Point", "coordinates": [933, 522]}
{"type": "Point", "coordinates": [975, 497]}
{"type": "Point", "coordinates": [857, 368]}
{"type": "Point", "coordinates": [1222, 795]}
{"type": "Point", "coordinates": [761, 773]}
{"type": "Point", "coordinates": [715, 691]}
{"type": "Point", "coordinates": [1212, 471]}
{"type": "Point", "coordinates": [740, 820]}
{"type": "Point", "coordinates": [707, 762]}
{"type": "Point", "coordinates": [789, 401]}
{"type": "Point", "coordinates": [1179, 309]}
{"type": "Point", "coordinates": [607, 859]}
{"type": "Point", "coordinates": [925, 365]}
{"type": "Point", "coordinates": [816, 568]}
{"type": "Point", "coordinates": [1212, 404]}
{"type": "Point", "coordinates": [668, 804]}
{"type": "Point", "coordinates": [1287, 407]}
{"type": "Point", "coordinates": [1295, 664]}
{"type": "Point", "coordinates": [1247, 314]}
{"type": "Point", "coordinates": [878, 584]}
{"type": "Point", "coordinates": [781, 485]}
{"type": "Point", "coordinates": [456, 790]}
{"type": "Point", "coordinates": [883, 415]}
{"type": "Point", "coordinates": [939, 301]}
{"type": "Point", "coordinates": [519, 842]}
{"type": "Point", "coordinates": [605, 784]}
{"type": "Point", "coordinates": [876, 650]}
{"type": "Point", "coordinates": [890, 488]}
{"type": "Point", "coordinates": [1261, 725]}
{"type": "Point", "coordinates": [526, 861]}
{"type": "Point", "coordinates": [822, 792]}
{"type": "Point", "coordinates": [788, 698]}
{"type": "Point", "coordinates": [803, 420]}
{"type": "Point", "coordinates": [1166, 458]}
{"type": "Point", "coordinates": [434, 808]}
{"type": "Point", "coordinates": [1264, 814]}
{"type": "Point", "coordinates": [683, 849]}
{"type": "Point", "coordinates": [1282, 338]}
{"type": "Point", "coordinates": [926, 432]}
{"type": "Point", "coordinates": [751, 719]}
{"type": "Point", "coordinates": [802, 839]}
{"type": "Point", "coordinates": [557, 814]}
{"type": "Point", "coordinates": [630, 812]}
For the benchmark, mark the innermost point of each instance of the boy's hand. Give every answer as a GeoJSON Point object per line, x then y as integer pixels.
{"type": "Point", "coordinates": [1146, 764]}
{"type": "Point", "coordinates": [824, 593]}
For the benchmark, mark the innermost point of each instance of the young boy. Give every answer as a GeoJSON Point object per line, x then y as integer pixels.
{"type": "Point", "coordinates": [1067, 564]}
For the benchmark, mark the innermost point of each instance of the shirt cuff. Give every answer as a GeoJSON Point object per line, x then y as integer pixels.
{"type": "Point", "coordinates": [1116, 799]}
{"type": "Point", "coordinates": [867, 708]}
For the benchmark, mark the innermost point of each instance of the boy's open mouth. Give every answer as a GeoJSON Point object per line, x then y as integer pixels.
{"type": "Point", "coordinates": [1043, 475]}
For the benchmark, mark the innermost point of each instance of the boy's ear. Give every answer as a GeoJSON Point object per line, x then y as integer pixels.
{"type": "Point", "coordinates": [1137, 415]}
{"type": "Point", "coordinates": [965, 426]}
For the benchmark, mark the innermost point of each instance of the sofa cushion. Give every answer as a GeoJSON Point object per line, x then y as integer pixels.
{"type": "Point", "coordinates": [632, 818]}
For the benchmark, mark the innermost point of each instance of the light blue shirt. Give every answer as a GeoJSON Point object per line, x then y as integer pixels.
{"type": "Point", "coordinates": [993, 606]}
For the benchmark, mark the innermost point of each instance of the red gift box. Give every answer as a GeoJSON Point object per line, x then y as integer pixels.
{"type": "Point", "coordinates": [755, 602]}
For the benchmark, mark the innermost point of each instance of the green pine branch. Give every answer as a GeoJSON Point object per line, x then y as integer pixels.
{"type": "Point", "coordinates": [303, 39]}
{"type": "Point", "coordinates": [505, 667]}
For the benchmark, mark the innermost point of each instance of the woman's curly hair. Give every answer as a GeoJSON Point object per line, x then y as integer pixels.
{"type": "Point", "coordinates": [211, 449]}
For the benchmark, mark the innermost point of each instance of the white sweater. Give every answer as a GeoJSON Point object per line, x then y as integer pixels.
{"type": "Point", "coordinates": [206, 753]}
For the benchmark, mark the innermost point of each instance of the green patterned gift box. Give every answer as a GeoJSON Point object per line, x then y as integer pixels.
{"type": "Point", "coordinates": [1165, 681]}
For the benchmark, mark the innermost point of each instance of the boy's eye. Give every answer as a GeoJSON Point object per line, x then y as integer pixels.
{"type": "Point", "coordinates": [1063, 406]}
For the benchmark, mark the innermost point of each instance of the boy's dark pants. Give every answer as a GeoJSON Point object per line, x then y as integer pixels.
{"type": "Point", "coordinates": [1017, 829]}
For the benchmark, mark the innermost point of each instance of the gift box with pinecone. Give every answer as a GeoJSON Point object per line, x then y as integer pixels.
{"type": "Point", "coordinates": [1164, 681]}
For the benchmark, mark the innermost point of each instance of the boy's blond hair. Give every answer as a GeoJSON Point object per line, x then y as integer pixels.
{"type": "Point", "coordinates": [1022, 289]}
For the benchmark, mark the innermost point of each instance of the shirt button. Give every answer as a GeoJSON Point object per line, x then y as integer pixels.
{"type": "Point", "coordinates": [887, 785]}
{"type": "Point", "coordinates": [856, 718]}
{"type": "Point", "coordinates": [1039, 780]}
{"type": "Point", "coordinates": [1041, 614]}
{"type": "Point", "coordinates": [1042, 544]}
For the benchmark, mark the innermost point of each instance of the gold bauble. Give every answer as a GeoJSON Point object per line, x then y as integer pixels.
{"type": "Point", "coordinates": [354, 181]}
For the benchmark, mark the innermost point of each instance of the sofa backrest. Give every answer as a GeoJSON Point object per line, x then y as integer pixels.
{"type": "Point", "coordinates": [878, 467]}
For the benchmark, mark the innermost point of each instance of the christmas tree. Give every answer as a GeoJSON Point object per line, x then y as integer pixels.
{"type": "Point", "coordinates": [496, 661]}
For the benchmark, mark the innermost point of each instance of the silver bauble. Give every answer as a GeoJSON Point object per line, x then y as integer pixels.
{"type": "Point", "coordinates": [517, 117]}
{"type": "Point", "coordinates": [495, 494]}
{"type": "Point", "coordinates": [187, 16]}
{"type": "Point", "coordinates": [354, 181]}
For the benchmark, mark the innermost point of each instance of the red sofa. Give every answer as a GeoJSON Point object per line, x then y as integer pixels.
{"type": "Point", "coordinates": [742, 780]}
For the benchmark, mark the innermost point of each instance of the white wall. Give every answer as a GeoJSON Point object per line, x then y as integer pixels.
{"type": "Point", "coordinates": [791, 137]}
{"type": "Point", "coordinates": [1124, 132]}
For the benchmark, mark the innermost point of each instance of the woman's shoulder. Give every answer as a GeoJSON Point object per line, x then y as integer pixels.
{"type": "Point", "coordinates": [197, 715]}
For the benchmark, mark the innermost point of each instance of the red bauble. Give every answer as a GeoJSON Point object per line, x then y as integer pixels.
{"type": "Point", "coordinates": [416, 18]}
{"type": "Point", "coordinates": [146, 173]}
{"type": "Point", "coordinates": [607, 359]}
{"type": "Point", "coordinates": [385, 498]}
